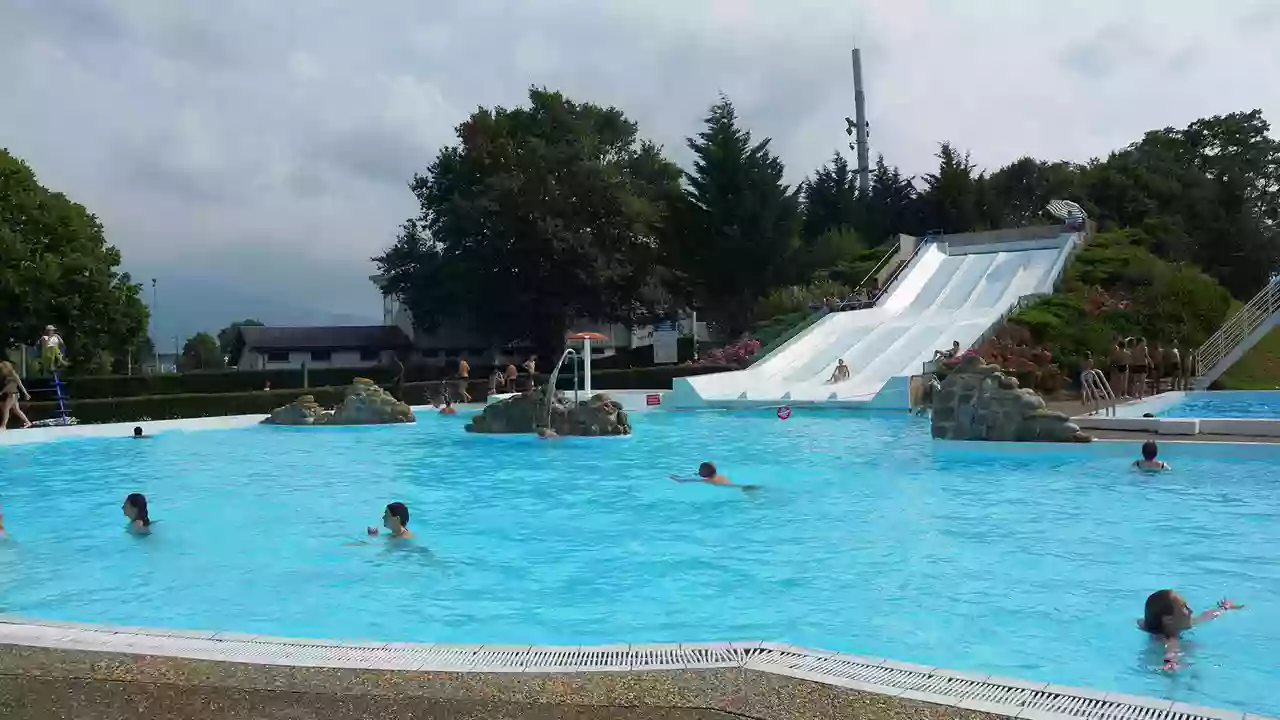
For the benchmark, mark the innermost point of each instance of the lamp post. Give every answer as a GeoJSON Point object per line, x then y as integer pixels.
{"type": "Point", "coordinates": [155, 346]}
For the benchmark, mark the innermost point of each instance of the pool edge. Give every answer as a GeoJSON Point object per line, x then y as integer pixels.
{"type": "Point", "coordinates": [718, 664]}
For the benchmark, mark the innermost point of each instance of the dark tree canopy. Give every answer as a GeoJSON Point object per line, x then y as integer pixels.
{"type": "Point", "coordinates": [201, 352]}
{"type": "Point", "coordinates": [539, 216]}
{"type": "Point", "coordinates": [741, 222]}
{"type": "Point", "coordinates": [56, 267]}
{"type": "Point", "coordinates": [227, 335]}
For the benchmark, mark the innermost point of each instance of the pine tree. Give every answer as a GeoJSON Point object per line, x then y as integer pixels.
{"type": "Point", "coordinates": [741, 221]}
{"type": "Point", "coordinates": [950, 199]}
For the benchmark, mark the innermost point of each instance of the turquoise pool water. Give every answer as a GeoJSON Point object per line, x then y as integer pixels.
{"type": "Point", "coordinates": [1226, 404]}
{"type": "Point", "coordinates": [867, 538]}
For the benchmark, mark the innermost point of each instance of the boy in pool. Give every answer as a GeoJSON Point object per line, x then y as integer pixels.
{"type": "Point", "coordinates": [707, 474]}
{"type": "Point", "coordinates": [396, 519]}
{"type": "Point", "coordinates": [1149, 463]}
{"type": "Point", "coordinates": [1167, 615]}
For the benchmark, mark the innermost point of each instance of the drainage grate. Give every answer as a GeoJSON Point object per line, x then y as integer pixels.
{"type": "Point", "coordinates": [1034, 701]}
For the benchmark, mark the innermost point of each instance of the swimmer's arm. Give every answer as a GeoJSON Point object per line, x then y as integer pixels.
{"type": "Point", "coordinates": [1172, 648]}
{"type": "Point", "coordinates": [680, 479]}
{"type": "Point", "coordinates": [1223, 606]}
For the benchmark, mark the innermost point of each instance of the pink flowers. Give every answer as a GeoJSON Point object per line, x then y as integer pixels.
{"type": "Point", "coordinates": [737, 353]}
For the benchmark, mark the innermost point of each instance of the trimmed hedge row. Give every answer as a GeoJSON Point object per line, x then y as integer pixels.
{"type": "Point", "coordinates": [250, 381]}
{"type": "Point", "coordinates": [172, 406]}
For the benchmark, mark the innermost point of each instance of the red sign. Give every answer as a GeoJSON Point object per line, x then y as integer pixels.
{"type": "Point", "coordinates": [652, 399]}
{"type": "Point", "coordinates": [784, 412]}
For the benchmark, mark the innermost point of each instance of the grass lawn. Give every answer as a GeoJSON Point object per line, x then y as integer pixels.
{"type": "Point", "coordinates": [1259, 369]}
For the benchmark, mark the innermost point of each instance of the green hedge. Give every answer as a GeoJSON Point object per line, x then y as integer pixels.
{"type": "Point", "coordinates": [169, 406]}
{"type": "Point", "coordinates": [250, 381]}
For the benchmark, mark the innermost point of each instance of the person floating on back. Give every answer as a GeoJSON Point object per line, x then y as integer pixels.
{"type": "Point", "coordinates": [708, 474]}
{"type": "Point", "coordinates": [1149, 463]}
{"type": "Point", "coordinates": [135, 508]}
{"type": "Point", "coordinates": [1167, 615]}
{"type": "Point", "coordinates": [396, 519]}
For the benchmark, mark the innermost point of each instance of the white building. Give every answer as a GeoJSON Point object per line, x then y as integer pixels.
{"type": "Point", "coordinates": [267, 348]}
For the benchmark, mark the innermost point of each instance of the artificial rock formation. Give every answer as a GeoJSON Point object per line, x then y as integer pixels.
{"type": "Point", "coordinates": [363, 403]}
{"type": "Point", "coordinates": [526, 412]}
{"type": "Point", "coordinates": [978, 402]}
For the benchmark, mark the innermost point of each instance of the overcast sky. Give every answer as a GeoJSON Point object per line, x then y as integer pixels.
{"type": "Point", "coordinates": [253, 155]}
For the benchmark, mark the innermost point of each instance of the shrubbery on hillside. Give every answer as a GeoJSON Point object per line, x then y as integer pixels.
{"type": "Point", "coordinates": [1115, 287]}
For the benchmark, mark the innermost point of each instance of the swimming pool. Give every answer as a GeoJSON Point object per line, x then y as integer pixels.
{"type": "Point", "coordinates": [1224, 404]}
{"type": "Point", "coordinates": [867, 538]}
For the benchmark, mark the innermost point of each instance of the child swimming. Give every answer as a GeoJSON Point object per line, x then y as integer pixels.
{"type": "Point", "coordinates": [708, 474]}
{"type": "Point", "coordinates": [1167, 615]}
{"type": "Point", "coordinates": [135, 508]}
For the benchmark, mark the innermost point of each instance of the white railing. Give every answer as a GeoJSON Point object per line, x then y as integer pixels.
{"type": "Point", "coordinates": [1234, 331]}
{"type": "Point", "coordinates": [1096, 391]}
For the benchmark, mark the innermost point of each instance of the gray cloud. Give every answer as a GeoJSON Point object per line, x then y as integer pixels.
{"type": "Point", "coordinates": [266, 147]}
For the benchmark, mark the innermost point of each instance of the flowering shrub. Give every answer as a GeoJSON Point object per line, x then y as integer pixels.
{"type": "Point", "coordinates": [737, 353]}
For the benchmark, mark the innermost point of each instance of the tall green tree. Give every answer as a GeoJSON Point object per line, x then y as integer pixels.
{"type": "Point", "coordinates": [57, 268]}
{"type": "Point", "coordinates": [1018, 192]}
{"type": "Point", "coordinates": [227, 335]}
{"type": "Point", "coordinates": [830, 200]}
{"type": "Point", "coordinates": [538, 217]}
{"type": "Point", "coordinates": [741, 221]}
{"type": "Point", "coordinates": [950, 199]}
{"type": "Point", "coordinates": [201, 352]}
{"type": "Point", "coordinates": [892, 206]}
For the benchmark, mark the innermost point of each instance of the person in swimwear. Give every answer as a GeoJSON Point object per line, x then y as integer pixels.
{"type": "Point", "coordinates": [1167, 615]}
{"type": "Point", "coordinates": [10, 387]}
{"type": "Point", "coordinates": [448, 408]}
{"type": "Point", "coordinates": [841, 373]}
{"type": "Point", "coordinates": [546, 433]}
{"type": "Point", "coordinates": [135, 508]}
{"type": "Point", "coordinates": [396, 519]}
{"type": "Point", "coordinates": [1149, 463]}
{"type": "Point", "coordinates": [708, 474]}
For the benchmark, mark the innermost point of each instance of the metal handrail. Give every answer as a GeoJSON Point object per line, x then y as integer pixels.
{"type": "Point", "coordinates": [555, 377]}
{"type": "Point", "coordinates": [1096, 390]}
{"type": "Point", "coordinates": [1234, 331]}
{"type": "Point", "coordinates": [879, 266]}
{"type": "Point", "coordinates": [893, 277]}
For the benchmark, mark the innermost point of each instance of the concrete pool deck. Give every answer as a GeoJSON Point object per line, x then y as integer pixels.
{"type": "Point", "coordinates": [50, 670]}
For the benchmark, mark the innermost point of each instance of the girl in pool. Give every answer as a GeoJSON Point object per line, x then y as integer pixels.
{"type": "Point", "coordinates": [708, 474]}
{"type": "Point", "coordinates": [1167, 615]}
{"type": "Point", "coordinates": [1149, 463]}
{"type": "Point", "coordinates": [135, 508]}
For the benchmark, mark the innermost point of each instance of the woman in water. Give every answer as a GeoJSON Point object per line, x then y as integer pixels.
{"type": "Point", "coordinates": [1149, 463]}
{"type": "Point", "coordinates": [1167, 615]}
{"type": "Point", "coordinates": [708, 474]}
{"type": "Point", "coordinates": [135, 508]}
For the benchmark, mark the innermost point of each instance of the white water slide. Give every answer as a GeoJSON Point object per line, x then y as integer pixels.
{"type": "Point", "coordinates": [953, 289]}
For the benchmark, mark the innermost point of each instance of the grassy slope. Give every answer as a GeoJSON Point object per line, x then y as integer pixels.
{"type": "Point", "coordinates": [1259, 369]}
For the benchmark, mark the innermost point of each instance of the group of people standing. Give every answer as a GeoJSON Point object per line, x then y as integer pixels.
{"type": "Point", "coordinates": [1134, 364]}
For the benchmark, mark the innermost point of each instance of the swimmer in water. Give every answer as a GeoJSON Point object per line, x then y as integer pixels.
{"type": "Point", "coordinates": [708, 474]}
{"type": "Point", "coordinates": [2, 525]}
{"type": "Point", "coordinates": [137, 434]}
{"type": "Point", "coordinates": [1167, 615]}
{"type": "Point", "coordinates": [545, 433]}
{"type": "Point", "coordinates": [1149, 463]}
{"type": "Point", "coordinates": [448, 408]}
{"type": "Point", "coordinates": [396, 519]}
{"type": "Point", "coordinates": [135, 508]}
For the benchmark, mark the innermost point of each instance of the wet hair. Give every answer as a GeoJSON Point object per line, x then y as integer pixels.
{"type": "Point", "coordinates": [1161, 604]}
{"type": "Point", "coordinates": [139, 503]}
{"type": "Point", "coordinates": [1149, 450]}
{"type": "Point", "coordinates": [707, 470]}
{"type": "Point", "coordinates": [399, 511]}
{"type": "Point", "coordinates": [137, 432]}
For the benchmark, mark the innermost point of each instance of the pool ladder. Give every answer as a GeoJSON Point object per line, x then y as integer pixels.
{"type": "Point", "coordinates": [1096, 391]}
